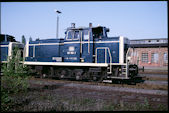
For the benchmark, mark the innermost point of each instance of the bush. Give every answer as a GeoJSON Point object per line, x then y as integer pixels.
{"type": "Point", "coordinates": [14, 79]}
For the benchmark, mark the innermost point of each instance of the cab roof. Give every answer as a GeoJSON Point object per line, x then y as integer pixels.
{"type": "Point", "coordinates": [82, 28]}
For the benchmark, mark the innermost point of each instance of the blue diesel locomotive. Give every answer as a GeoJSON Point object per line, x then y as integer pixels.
{"type": "Point", "coordinates": [85, 53]}
{"type": "Point", "coordinates": [7, 45]}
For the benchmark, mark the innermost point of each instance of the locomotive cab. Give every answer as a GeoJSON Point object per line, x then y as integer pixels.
{"type": "Point", "coordinates": [7, 46]}
{"type": "Point", "coordinates": [78, 46]}
{"type": "Point", "coordinates": [79, 43]}
{"type": "Point", "coordinates": [100, 32]}
{"type": "Point", "coordinates": [7, 49]}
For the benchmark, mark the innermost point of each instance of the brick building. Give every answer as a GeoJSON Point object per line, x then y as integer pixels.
{"type": "Point", "coordinates": [150, 53]}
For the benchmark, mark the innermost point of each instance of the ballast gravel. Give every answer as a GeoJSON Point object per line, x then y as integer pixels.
{"type": "Point", "coordinates": [120, 89]}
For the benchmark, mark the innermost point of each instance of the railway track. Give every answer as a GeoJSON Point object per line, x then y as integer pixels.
{"type": "Point", "coordinates": [140, 84]}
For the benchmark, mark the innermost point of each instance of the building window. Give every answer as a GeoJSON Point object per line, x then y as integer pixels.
{"type": "Point", "coordinates": [154, 57]}
{"type": "Point", "coordinates": [144, 57]}
{"type": "Point", "coordinates": [165, 58]}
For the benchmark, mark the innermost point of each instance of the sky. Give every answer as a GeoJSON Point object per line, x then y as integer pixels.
{"type": "Point", "coordinates": [134, 20]}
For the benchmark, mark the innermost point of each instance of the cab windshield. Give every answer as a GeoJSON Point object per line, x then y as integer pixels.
{"type": "Point", "coordinates": [73, 35]}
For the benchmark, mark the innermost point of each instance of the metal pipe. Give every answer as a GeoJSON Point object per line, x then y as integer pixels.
{"type": "Point", "coordinates": [57, 26]}
{"type": "Point", "coordinates": [57, 32]}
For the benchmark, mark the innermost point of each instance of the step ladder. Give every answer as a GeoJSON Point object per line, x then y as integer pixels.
{"type": "Point", "coordinates": [124, 71]}
{"type": "Point", "coordinates": [109, 69]}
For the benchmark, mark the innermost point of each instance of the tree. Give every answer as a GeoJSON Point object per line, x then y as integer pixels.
{"type": "Point", "coordinates": [23, 39]}
{"type": "Point", "coordinates": [14, 80]}
{"type": "Point", "coordinates": [30, 39]}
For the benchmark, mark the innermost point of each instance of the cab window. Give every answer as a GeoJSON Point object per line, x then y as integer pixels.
{"type": "Point", "coordinates": [70, 35]}
{"type": "Point", "coordinates": [86, 35]}
{"type": "Point", "coordinates": [76, 35]}
{"type": "Point", "coordinates": [97, 32]}
{"type": "Point", "coordinates": [73, 35]}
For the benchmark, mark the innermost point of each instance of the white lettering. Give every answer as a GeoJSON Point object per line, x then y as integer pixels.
{"type": "Point", "coordinates": [71, 58]}
{"type": "Point", "coordinates": [71, 48]}
{"type": "Point", "coordinates": [59, 59]}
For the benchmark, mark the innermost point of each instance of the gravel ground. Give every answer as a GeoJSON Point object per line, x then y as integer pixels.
{"type": "Point", "coordinates": [160, 72]}
{"type": "Point", "coordinates": [53, 95]}
{"type": "Point", "coordinates": [121, 89]}
{"type": "Point", "coordinates": [61, 95]}
{"type": "Point", "coordinates": [51, 84]}
{"type": "Point", "coordinates": [156, 82]}
{"type": "Point", "coordinates": [154, 75]}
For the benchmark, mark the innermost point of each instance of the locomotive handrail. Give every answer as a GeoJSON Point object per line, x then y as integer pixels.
{"type": "Point", "coordinates": [127, 62]}
{"type": "Point", "coordinates": [110, 61]}
{"type": "Point", "coordinates": [89, 42]}
{"type": "Point", "coordinates": [81, 49]}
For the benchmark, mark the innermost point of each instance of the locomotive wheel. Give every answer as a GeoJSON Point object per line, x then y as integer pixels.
{"type": "Point", "coordinates": [78, 74]}
{"type": "Point", "coordinates": [44, 75]}
{"type": "Point", "coordinates": [117, 72]}
{"type": "Point", "coordinates": [103, 75]}
{"type": "Point", "coordinates": [77, 77]}
{"type": "Point", "coordinates": [94, 78]}
{"type": "Point", "coordinates": [86, 75]}
{"type": "Point", "coordinates": [61, 73]}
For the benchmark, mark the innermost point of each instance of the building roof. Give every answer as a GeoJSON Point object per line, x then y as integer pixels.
{"type": "Point", "coordinates": [148, 45]}
{"type": "Point", "coordinates": [151, 39]}
{"type": "Point", "coordinates": [160, 42]}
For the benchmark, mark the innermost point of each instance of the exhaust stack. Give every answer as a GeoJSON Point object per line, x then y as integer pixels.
{"type": "Point", "coordinates": [73, 25]}
{"type": "Point", "coordinates": [90, 24]}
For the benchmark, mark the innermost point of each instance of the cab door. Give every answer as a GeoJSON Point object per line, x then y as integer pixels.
{"type": "Point", "coordinates": [86, 46]}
